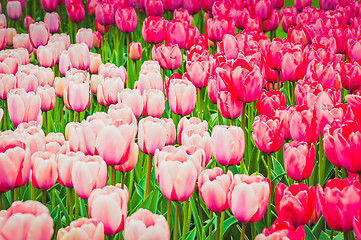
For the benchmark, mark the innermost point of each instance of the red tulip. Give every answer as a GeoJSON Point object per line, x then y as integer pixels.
{"type": "Point", "coordinates": [356, 225]}
{"type": "Point", "coordinates": [268, 133]}
{"type": "Point", "coordinates": [217, 27]}
{"type": "Point", "coordinates": [248, 197]}
{"type": "Point", "coordinates": [304, 124]}
{"type": "Point", "coordinates": [280, 229]}
{"type": "Point", "coordinates": [339, 201]}
{"type": "Point", "coordinates": [214, 184]}
{"type": "Point", "coordinates": [153, 29]}
{"type": "Point", "coordinates": [84, 227]}
{"type": "Point", "coordinates": [154, 7]}
{"type": "Point", "coordinates": [126, 19]}
{"type": "Point", "coordinates": [168, 55]}
{"type": "Point", "coordinates": [269, 102]}
{"type": "Point", "coordinates": [76, 11]}
{"type": "Point", "coordinates": [109, 206]}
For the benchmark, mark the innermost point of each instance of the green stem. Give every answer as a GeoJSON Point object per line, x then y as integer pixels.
{"type": "Point", "coordinates": [278, 79]}
{"type": "Point", "coordinates": [210, 230]}
{"type": "Point", "coordinates": [5, 116]}
{"type": "Point", "coordinates": [169, 210]}
{"type": "Point", "coordinates": [336, 172]}
{"type": "Point", "coordinates": [220, 118]}
{"type": "Point", "coordinates": [53, 199]}
{"type": "Point", "coordinates": [123, 179]}
{"type": "Point", "coordinates": [135, 70]}
{"type": "Point", "coordinates": [199, 104]}
{"type": "Point", "coordinates": [78, 117]}
{"type": "Point", "coordinates": [222, 225]}
{"type": "Point", "coordinates": [321, 165]}
{"type": "Point", "coordinates": [128, 83]}
{"type": "Point", "coordinates": [185, 218]}
{"type": "Point", "coordinates": [218, 230]}
{"type": "Point", "coordinates": [1, 201]}
{"type": "Point", "coordinates": [131, 182]}
{"type": "Point", "coordinates": [71, 203]}
{"type": "Point", "coordinates": [113, 174]}
{"type": "Point", "coordinates": [147, 177]}
{"type": "Point", "coordinates": [252, 230]}
{"type": "Point", "coordinates": [244, 225]}
{"type": "Point", "coordinates": [346, 236]}
{"type": "Point", "coordinates": [176, 222]}
{"type": "Point", "coordinates": [270, 178]}
{"type": "Point", "coordinates": [77, 206]}
{"type": "Point", "coordinates": [331, 234]}
{"type": "Point", "coordinates": [43, 198]}
{"type": "Point", "coordinates": [243, 117]}
{"type": "Point", "coordinates": [46, 122]}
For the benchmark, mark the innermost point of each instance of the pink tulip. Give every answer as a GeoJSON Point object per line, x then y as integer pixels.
{"type": "Point", "coordinates": [133, 99]}
{"type": "Point", "coordinates": [21, 41]}
{"type": "Point", "coordinates": [176, 32]}
{"type": "Point", "coordinates": [27, 21]}
{"type": "Point", "coordinates": [135, 51]}
{"type": "Point", "coordinates": [23, 107]}
{"type": "Point", "coordinates": [64, 63]}
{"type": "Point", "coordinates": [55, 143]}
{"type": "Point", "coordinates": [88, 173]}
{"type": "Point", "coordinates": [198, 73]}
{"type": "Point", "coordinates": [304, 125]}
{"type": "Point", "coordinates": [110, 70]}
{"type": "Point", "coordinates": [95, 62]}
{"type": "Point", "coordinates": [262, 8]}
{"type": "Point", "coordinates": [85, 35]}
{"type": "Point", "coordinates": [214, 184]}
{"type": "Point", "coordinates": [219, 26]}
{"type": "Point", "coordinates": [269, 102]}
{"type": "Point", "coordinates": [149, 80]}
{"type": "Point", "coordinates": [97, 40]}
{"type": "Point", "coordinates": [152, 135]}
{"type": "Point", "coordinates": [27, 81]}
{"type": "Point", "coordinates": [7, 82]}
{"type": "Point", "coordinates": [351, 75]}
{"type": "Point", "coordinates": [15, 162]}
{"type": "Point", "coordinates": [144, 224]}
{"type": "Point", "coordinates": [75, 10]}
{"type": "Point", "coordinates": [14, 10]}
{"type": "Point", "coordinates": [77, 96]}
{"type": "Point", "coordinates": [3, 38]}
{"type": "Point", "coordinates": [79, 56]}
{"type": "Point", "coordinates": [293, 66]}
{"type": "Point", "coordinates": [268, 133]}
{"type": "Point", "coordinates": [46, 55]}
{"type": "Point", "coordinates": [301, 4]}
{"type": "Point", "coordinates": [126, 19]}
{"type": "Point", "coordinates": [168, 55]}
{"type": "Point", "coordinates": [154, 7]}
{"type": "Point", "coordinates": [107, 91]}
{"type": "Point", "coordinates": [43, 170]}
{"type": "Point", "coordinates": [83, 227]}
{"type": "Point", "coordinates": [130, 163]}
{"type": "Point", "coordinates": [49, 5]}
{"type": "Point", "coordinates": [248, 197]}
{"type": "Point", "coordinates": [193, 122]}
{"type": "Point", "coordinates": [105, 12]}
{"type": "Point", "coordinates": [182, 96]}
{"type": "Point", "coordinates": [38, 34]}
{"type": "Point", "coordinates": [121, 114]}
{"type": "Point", "coordinates": [192, 6]}
{"type": "Point", "coordinates": [8, 65]}
{"type": "Point", "coordinates": [115, 143]}
{"type": "Point", "coordinates": [172, 164]}
{"type": "Point", "coordinates": [228, 105]}
{"type": "Point", "coordinates": [31, 217]}
{"type": "Point", "coordinates": [10, 33]}
{"type": "Point", "coordinates": [47, 95]}
{"type": "Point", "coordinates": [109, 206]}
{"type": "Point", "coordinates": [65, 167]}
{"type": "Point", "coordinates": [356, 225]}
{"type": "Point", "coordinates": [228, 145]}
{"type": "Point", "coordinates": [153, 29]}
{"type": "Point", "coordinates": [272, 23]}
{"type": "Point", "coordinates": [153, 103]}
{"type": "Point", "coordinates": [53, 21]}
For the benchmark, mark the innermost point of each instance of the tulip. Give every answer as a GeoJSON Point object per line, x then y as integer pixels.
{"type": "Point", "coordinates": [20, 41]}
{"type": "Point", "coordinates": [79, 56]}
{"type": "Point", "coordinates": [149, 80]}
{"type": "Point", "coordinates": [43, 170]}
{"type": "Point", "coordinates": [8, 65]}
{"type": "Point", "coordinates": [268, 133]}
{"type": "Point", "coordinates": [109, 206]}
{"type": "Point", "coordinates": [228, 105]}
{"type": "Point", "coordinates": [38, 34]}
{"type": "Point", "coordinates": [55, 143]}
{"type": "Point", "coordinates": [280, 229]}
{"type": "Point", "coordinates": [295, 203]}
{"type": "Point", "coordinates": [339, 211]}
{"type": "Point", "coordinates": [110, 70]}
{"type": "Point", "coordinates": [10, 33]}
{"type": "Point", "coordinates": [193, 7]}
{"type": "Point", "coordinates": [64, 64]}
{"type": "Point", "coordinates": [30, 216]}
{"type": "Point", "coordinates": [272, 23]}
{"type": "Point", "coordinates": [130, 163]}
{"type": "Point", "coordinates": [46, 55]}
{"type": "Point", "coordinates": [154, 7]}
{"type": "Point", "coordinates": [29, 82]}
{"type": "Point", "coordinates": [7, 82]}
{"type": "Point", "coordinates": [351, 75]}
{"type": "Point", "coordinates": [217, 27]}
{"type": "Point", "coordinates": [192, 123]}
{"type": "Point", "coordinates": [171, 166]}
{"type": "Point", "coordinates": [248, 197]}
{"type": "Point", "coordinates": [126, 19]}
{"type": "Point", "coordinates": [133, 99]}
{"type": "Point", "coordinates": [304, 125]}
{"type": "Point", "coordinates": [88, 173]}
{"type": "Point", "coordinates": [146, 135]}
{"type": "Point", "coordinates": [97, 40]}
{"type": "Point", "coordinates": [86, 228]}
{"type": "Point", "coordinates": [262, 8]}
{"type": "Point", "coordinates": [3, 38]}
{"type": "Point", "coordinates": [182, 96]}
{"type": "Point", "coordinates": [299, 159]}
{"type": "Point", "coordinates": [95, 62]}
{"type": "Point", "coordinates": [168, 55]}
{"type": "Point", "coordinates": [214, 184]}
{"type": "Point", "coordinates": [228, 145]}
{"type": "Point", "coordinates": [352, 50]}
{"type": "Point", "coordinates": [85, 35]}
{"type": "Point", "coordinates": [341, 34]}
{"type": "Point", "coordinates": [27, 21]}
{"type": "Point", "coordinates": [105, 12]}
{"type": "Point", "coordinates": [269, 102]}
{"type": "Point", "coordinates": [14, 10]}
{"type": "Point", "coordinates": [176, 32]}
{"type": "Point", "coordinates": [135, 51]}
{"type": "Point", "coordinates": [76, 11]}
{"type": "Point", "coordinates": [153, 29]}
{"type": "Point", "coordinates": [48, 5]}
{"type": "Point", "coordinates": [77, 96]}
{"type": "Point", "coordinates": [15, 162]}
{"type": "Point", "coordinates": [53, 21]}
{"type": "Point", "coordinates": [198, 73]}
{"type": "Point", "coordinates": [47, 96]}
{"type": "Point", "coordinates": [297, 35]}
{"type": "Point", "coordinates": [107, 91]}
{"type": "Point", "coordinates": [65, 167]}
{"type": "Point", "coordinates": [356, 225]}
{"type": "Point", "coordinates": [153, 103]}
{"type": "Point", "coordinates": [293, 66]}
{"type": "Point", "coordinates": [144, 224]}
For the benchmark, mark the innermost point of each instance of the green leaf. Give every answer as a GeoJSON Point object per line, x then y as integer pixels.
{"type": "Point", "coordinates": [60, 202]}
{"type": "Point", "coordinates": [308, 233]}
{"type": "Point", "coordinates": [199, 229]}
{"type": "Point", "coordinates": [317, 229]}
{"type": "Point", "coordinates": [83, 208]}
{"type": "Point", "coordinates": [254, 161]}
{"type": "Point", "coordinates": [228, 223]}
{"type": "Point", "coordinates": [191, 235]}
{"type": "Point", "coordinates": [324, 236]}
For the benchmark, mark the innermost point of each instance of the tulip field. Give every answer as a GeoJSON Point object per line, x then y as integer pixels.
{"type": "Point", "coordinates": [180, 119]}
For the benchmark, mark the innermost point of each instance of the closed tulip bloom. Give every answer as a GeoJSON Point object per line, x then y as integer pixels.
{"type": "Point", "coordinates": [84, 228]}
{"type": "Point", "coordinates": [282, 229]}
{"type": "Point", "coordinates": [38, 34]}
{"type": "Point", "coordinates": [192, 135]}
{"type": "Point", "coordinates": [79, 56]}
{"type": "Point", "coordinates": [293, 66]}
{"type": "Point", "coordinates": [111, 70]}
{"type": "Point", "coordinates": [351, 75]}
{"type": "Point", "coordinates": [107, 91]}
{"type": "Point", "coordinates": [65, 167]}
{"type": "Point", "coordinates": [295, 203]}
{"type": "Point", "coordinates": [175, 173]}
{"type": "Point", "coordinates": [121, 113]}
{"type": "Point", "coordinates": [27, 21]}
{"type": "Point", "coordinates": [144, 224]}
{"type": "Point", "coordinates": [76, 11]}
{"type": "Point", "coordinates": [130, 163]}
{"type": "Point", "coordinates": [154, 7]}
{"type": "Point", "coordinates": [109, 206]}
{"type": "Point", "coordinates": [262, 8]}
{"type": "Point", "coordinates": [228, 145]}
{"type": "Point", "coordinates": [10, 33]}
{"type": "Point", "coordinates": [97, 39]}
{"type": "Point", "coordinates": [133, 99]}
{"type": "Point", "coordinates": [272, 23]}
{"type": "Point", "coordinates": [115, 143]}
{"type": "Point", "coordinates": [77, 96]}
{"type": "Point", "coordinates": [88, 173]}
{"type": "Point", "coordinates": [31, 217]}
{"type": "Point", "coordinates": [193, 122]}
{"type": "Point", "coordinates": [126, 19]}
{"type": "Point", "coordinates": [43, 170]}
{"type": "Point", "coordinates": [28, 82]}
{"type": "Point", "coordinates": [339, 201]}
{"type": "Point", "coordinates": [152, 135]}
{"type": "Point", "coordinates": [9, 65]}
{"type": "Point", "coordinates": [301, 4]}
{"type": "Point", "coordinates": [21, 41]}
{"type": "Point", "coordinates": [85, 35]}
{"type": "Point", "coordinates": [153, 29]}
{"type": "Point", "coordinates": [213, 186]}
{"type": "Point", "coordinates": [352, 50]}
{"type": "Point", "coordinates": [14, 10]}
{"type": "Point", "coordinates": [268, 133]}
{"type": "Point", "coordinates": [53, 21]}
{"type": "Point", "coordinates": [356, 225]}
{"type": "Point", "coordinates": [3, 39]}
{"type": "Point", "coordinates": [182, 96]}
{"type": "Point", "coordinates": [304, 125]}
{"type": "Point", "coordinates": [48, 5]}
{"type": "Point", "coordinates": [135, 51]}
{"type": "Point", "coordinates": [23, 107]}
{"type": "Point", "coordinates": [176, 32]}
{"type": "Point", "coordinates": [168, 55]}
{"type": "Point", "coordinates": [55, 143]}
{"type": "Point", "coordinates": [7, 82]}
{"type": "Point", "coordinates": [217, 27]}
{"type": "Point", "coordinates": [64, 63]}
{"type": "Point", "coordinates": [193, 7]}
{"type": "Point", "coordinates": [46, 55]}
{"type": "Point", "coordinates": [153, 103]}
{"type": "Point", "coordinates": [228, 105]}
{"type": "Point", "coordinates": [95, 62]}
{"type": "Point", "coordinates": [47, 95]}
{"type": "Point", "coordinates": [269, 102]}
{"type": "Point", "coordinates": [198, 73]}
{"type": "Point", "coordinates": [299, 159]}
{"type": "Point", "coordinates": [149, 80]}
{"type": "Point", "coordinates": [15, 162]}
{"type": "Point", "coordinates": [105, 12]}
{"type": "Point", "coordinates": [248, 197]}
